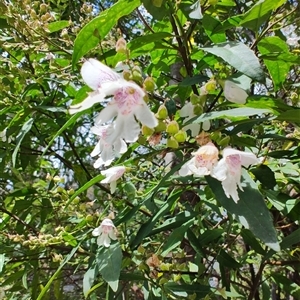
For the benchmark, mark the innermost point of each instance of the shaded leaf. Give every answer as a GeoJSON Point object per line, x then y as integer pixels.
{"type": "Point", "coordinates": [109, 263]}
{"type": "Point", "coordinates": [239, 56]}
{"type": "Point", "coordinates": [251, 210]}
{"type": "Point", "coordinates": [265, 175]}
{"type": "Point", "coordinates": [183, 290]}
{"type": "Point", "coordinates": [24, 130]}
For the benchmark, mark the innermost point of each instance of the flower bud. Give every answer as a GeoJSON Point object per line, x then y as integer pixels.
{"type": "Point", "coordinates": [121, 46]}
{"type": "Point", "coordinates": [172, 143]}
{"type": "Point", "coordinates": [210, 86]}
{"type": "Point", "coordinates": [198, 110]}
{"type": "Point", "coordinates": [180, 136]}
{"type": "Point", "coordinates": [172, 127]}
{"type": "Point", "coordinates": [147, 131]}
{"type": "Point", "coordinates": [162, 112]}
{"type": "Point", "coordinates": [160, 127]}
{"type": "Point", "coordinates": [137, 76]}
{"type": "Point", "coordinates": [149, 84]}
{"type": "Point", "coordinates": [195, 99]}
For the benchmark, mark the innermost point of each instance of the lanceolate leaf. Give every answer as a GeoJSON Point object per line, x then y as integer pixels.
{"type": "Point", "coordinates": [92, 33]}
{"type": "Point", "coordinates": [239, 56]}
{"type": "Point", "coordinates": [251, 210]}
{"type": "Point", "coordinates": [233, 113]}
{"type": "Point", "coordinates": [24, 130]}
{"type": "Point", "coordinates": [109, 263]}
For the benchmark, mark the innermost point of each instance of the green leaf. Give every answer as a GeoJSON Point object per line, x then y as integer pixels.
{"type": "Point", "coordinates": [259, 13]}
{"type": "Point", "coordinates": [292, 116]}
{"type": "Point", "coordinates": [233, 113]}
{"type": "Point", "coordinates": [96, 30]}
{"type": "Point", "coordinates": [69, 238]}
{"type": "Point", "coordinates": [58, 25]}
{"type": "Point", "coordinates": [251, 210]}
{"type": "Point", "coordinates": [24, 130]}
{"type": "Point", "coordinates": [239, 56]}
{"type": "Point", "coordinates": [210, 235]}
{"type": "Point", "coordinates": [278, 69]}
{"type": "Point", "coordinates": [265, 175]}
{"type": "Point", "coordinates": [157, 13]}
{"type": "Point", "coordinates": [212, 28]}
{"type": "Point", "coordinates": [176, 237]}
{"type": "Point", "coordinates": [183, 290]}
{"type": "Point", "coordinates": [250, 239]}
{"type": "Point", "coordinates": [147, 39]}
{"type": "Point", "coordinates": [109, 262]}
{"type": "Point", "coordinates": [227, 261]}
{"type": "Point", "coordinates": [292, 239]}
{"type": "Point", "coordinates": [2, 262]}
{"type": "Point", "coordinates": [188, 81]}
{"type": "Point", "coordinates": [88, 280]}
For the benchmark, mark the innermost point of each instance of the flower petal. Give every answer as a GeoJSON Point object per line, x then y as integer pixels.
{"type": "Point", "coordinates": [97, 231]}
{"type": "Point", "coordinates": [234, 93]}
{"type": "Point", "coordinates": [94, 73]}
{"type": "Point", "coordinates": [219, 171]}
{"type": "Point", "coordinates": [106, 114]}
{"type": "Point", "coordinates": [113, 186]}
{"type": "Point", "coordinates": [145, 115]}
{"type": "Point", "coordinates": [96, 150]}
{"type": "Point", "coordinates": [94, 97]}
{"type": "Point", "coordinates": [106, 240]}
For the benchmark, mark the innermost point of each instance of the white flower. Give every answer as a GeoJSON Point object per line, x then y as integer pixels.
{"type": "Point", "coordinates": [105, 232]}
{"type": "Point", "coordinates": [126, 104]}
{"type": "Point", "coordinates": [234, 93]}
{"type": "Point", "coordinates": [228, 170]}
{"type": "Point", "coordinates": [3, 136]}
{"type": "Point", "coordinates": [203, 161]}
{"type": "Point", "coordinates": [106, 151]}
{"type": "Point", "coordinates": [112, 175]}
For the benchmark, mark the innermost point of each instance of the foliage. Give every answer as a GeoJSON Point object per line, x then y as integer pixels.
{"type": "Point", "coordinates": [179, 237]}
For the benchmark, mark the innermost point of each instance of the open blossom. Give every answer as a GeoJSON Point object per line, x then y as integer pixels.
{"type": "Point", "coordinates": [234, 93]}
{"type": "Point", "coordinates": [229, 169]}
{"type": "Point", "coordinates": [106, 151]}
{"type": "Point", "coordinates": [202, 162]}
{"type": "Point", "coordinates": [105, 232]}
{"type": "Point", "coordinates": [187, 112]}
{"type": "Point", "coordinates": [112, 175]}
{"type": "Point", "coordinates": [127, 101]}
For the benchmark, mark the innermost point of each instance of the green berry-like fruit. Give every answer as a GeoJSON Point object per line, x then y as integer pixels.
{"type": "Point", "coordinates": [172, 128]}
{"type": "Point", "coordinates": [149, 84]}
{"type": "Point", "coordinates": [147, 131]}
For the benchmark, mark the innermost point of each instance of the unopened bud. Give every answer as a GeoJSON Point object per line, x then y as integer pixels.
{"type": "Point", "coordinates": [160, 127]}
{"type": "Point", "coordinates": [162, 112]}
{"type": "Point", "coordinates": [172, 143]}
{"type": "Point", "coordinates": [180, 136]}
{"type": "Point", "coordinates": [224, 141]}
{"type": "Point", "coordinates": [147, 131]}
{"type": "Point", "coordinates": [149, 84]}
{"type": "Point", "coordinates": [210, 86]}
{"type": "Point", "coordinates": [121, 46]}
{"type": "Point", "coordinates": [172, 127]}
{"type": "Point", "coordinates": [195, 99]}
{"type": "Point", "coordinates": [198, 110]}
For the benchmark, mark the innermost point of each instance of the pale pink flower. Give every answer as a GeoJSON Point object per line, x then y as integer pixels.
{"type": "Point", "coordinates": [187, 112]}
{"type": "Point", "coordinates": [105, 232]}
{"type": "Point", "coordinates": [229, 169]}
{"type": "Point", "coordinates": [112, 175]}
{"type": "Point", "coordinates": [126, 104]}
{"type": "Point", "coordinates": [202, 162]}
{"type": "Point", "coordinates": [106, 151]}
